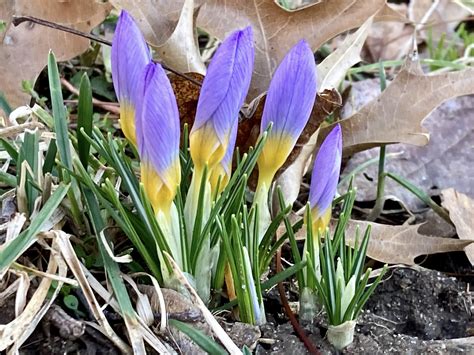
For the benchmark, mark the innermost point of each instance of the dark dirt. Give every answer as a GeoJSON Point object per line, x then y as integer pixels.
{"type": "Point", "coordinates": [414, 311]}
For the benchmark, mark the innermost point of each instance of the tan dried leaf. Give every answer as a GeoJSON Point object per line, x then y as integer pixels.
{"type": "Point", "coordinates": [277, 30]}
{"type": "Point", "coordinates": [461, 212]}
{"type": "Point", "coordinates": [334, 67]}
{"type": "Point", "coordinates": [396, 115]}
{"type": "Point", "coordinates": [169, 27]}
{"type": "Point", "coordinates": [401, 244]}
{"type": "Point", "coordinates": [24, 49]}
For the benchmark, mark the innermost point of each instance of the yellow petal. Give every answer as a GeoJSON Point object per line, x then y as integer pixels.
{"type": "Point", "coordinates": [127, 122]}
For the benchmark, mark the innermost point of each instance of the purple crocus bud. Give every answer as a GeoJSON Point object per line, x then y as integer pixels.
{"type": "Point", "coordinates": [158, 132]}
{"type": "Point", "coordinates": [325, 178]}
{"type": "Point", "coordinates": [222, 94]}
{"type": "Point", "coordinates": [130, 55]}
{"type": "Point", "coordinates": [289, 102]}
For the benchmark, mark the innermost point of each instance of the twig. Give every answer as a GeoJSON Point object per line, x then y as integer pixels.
{"type": "Point", "coordinates": [294, 322]}
{"type": "Point", "coordinates": [20, 19]}
{"type": "Point", "coordinates": [105, 105]}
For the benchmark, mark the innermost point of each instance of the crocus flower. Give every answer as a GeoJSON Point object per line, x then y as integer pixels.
{"type": "Point", "coordinates": [324, 179]}
{"type": "Point", "coordinates": [288, 106]}
{"type": "Point", "coordinates": [158, 133]}
{"type": "Point", "coordinates": [222, 94]}
{"type": "Point", "coordinates": [130, 55]}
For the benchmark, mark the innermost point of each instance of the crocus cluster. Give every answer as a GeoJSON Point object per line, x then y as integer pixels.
{"type": "Point", "coordinates": [150, 121]}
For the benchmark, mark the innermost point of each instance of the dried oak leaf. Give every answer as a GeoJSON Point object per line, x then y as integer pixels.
{"type": "Point", "coordinates": [169, 27]}
{"type": "Point", "coordinates": [396, 115]}
{"type": "Point", "coordinates": [24, 49]}
{"type": "Point", "coordinates": [461, 212]}
{"type": "Point", "coordinates": [390, 244]}
{"type": "Point", "coordinates": [401, 244]}
{"type": "Point", "coordinates": [446, 161]}
{"type": "Point", "coordinates": [275, 29]}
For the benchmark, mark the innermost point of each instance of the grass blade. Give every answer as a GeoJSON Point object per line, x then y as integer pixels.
{"type": "Point", "coordinates": [10, 252]}
{"type": "Point", "coordinates": [84, 119]}
{"type": "Point", "coordinates": [206, 343]}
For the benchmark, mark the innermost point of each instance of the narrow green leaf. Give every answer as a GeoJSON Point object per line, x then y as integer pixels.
{"type": "Point", "coordinates": [8, 179]}
{"type": "Point", "coordinates": [17, 246]}
{"type": "Point", "coordinates": [206, 343]}
{"type": "Point", "coordinates": [50, 158]}
{"type": "Point", "coordinates": [10, 149]}
{"type": "Point", "coordinates": [423, 196]}
{"type": "Point", "coordinates": [59, 112]}
{"type": "Point", "coordinates": [84, 119]}
{"type": "Point", "coordinates": [4, 104]}
{"type": "Point", "coordinates": [111, 267]}
{"type": "Point", "coordinates": [29, 152]}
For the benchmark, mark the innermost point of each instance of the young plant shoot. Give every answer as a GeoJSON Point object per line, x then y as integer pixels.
{"type": "Point", "coordinates": [191, 202]}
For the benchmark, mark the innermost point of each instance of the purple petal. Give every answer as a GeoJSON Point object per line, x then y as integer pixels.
{"type": "Point", "coordinates": [226, 84]}
{"type": "Point", "coordinates": [130, 55]}
{"type": "Point", "coordinates": [326, 171]}
{"type": "Point", "coordinates": [158, 142]}
{"type": "Point", "coordinates": [292, 92]}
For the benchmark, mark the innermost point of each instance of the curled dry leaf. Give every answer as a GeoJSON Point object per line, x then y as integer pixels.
{"type": "Point", "coordinates": [389, 40]}
{"type": "Point", "coordinates": [24, 49]}
{"type": "Point", "coordinates": [396, 115]}
{"type": "Point", "coordinates": [401, 244]}
{"type": "Point", "coordinates": [461, 212]}
{"type": "Point", "coordinates": [169, 27]}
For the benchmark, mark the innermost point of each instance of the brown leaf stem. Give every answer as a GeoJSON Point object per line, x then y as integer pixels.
{"type": "Point", "coordinates": [108, 106]}
{"type": "Point", "coordinates": [294, 322]}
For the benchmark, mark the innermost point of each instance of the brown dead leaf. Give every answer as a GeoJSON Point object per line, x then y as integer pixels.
{"type": "Point", "coordinates": [333, 69]}
{"type": "Point", "coordinates": [401, 244]}
{"type": "Point", "coordinates": [446, 161]}
{"type": "Point", "coordinates": [187, 95]}
{"type": "Point", "coordinates": [275, 29]}
{"type": "Point", "coordinates": [389, 40]}
{"type": "Point", "coordinates": [169, 27]}
{"type": "Point", "coordinates": [461, 212]}
{"type": "Point", "coordinates": [390, 244]}
{"type": "Point", "coordinates": [396, 115]}
{"type": "Point", "coordinates": [24, 49]}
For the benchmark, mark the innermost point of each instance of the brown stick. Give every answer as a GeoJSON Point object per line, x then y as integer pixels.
{"type": "Point", "coordinates": [294, 322]}
{"type": "Point", "coordinates": [20, 19]}
{"type": "Point", "coordinates": [109, 106]}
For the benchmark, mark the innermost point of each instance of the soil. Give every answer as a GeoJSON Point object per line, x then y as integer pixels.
{"type": "Point", "coordinates": [413, 311]}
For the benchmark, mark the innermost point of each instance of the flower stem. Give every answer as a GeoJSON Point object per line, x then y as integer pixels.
{"type": "Point", "coordinates": [380, 199]}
